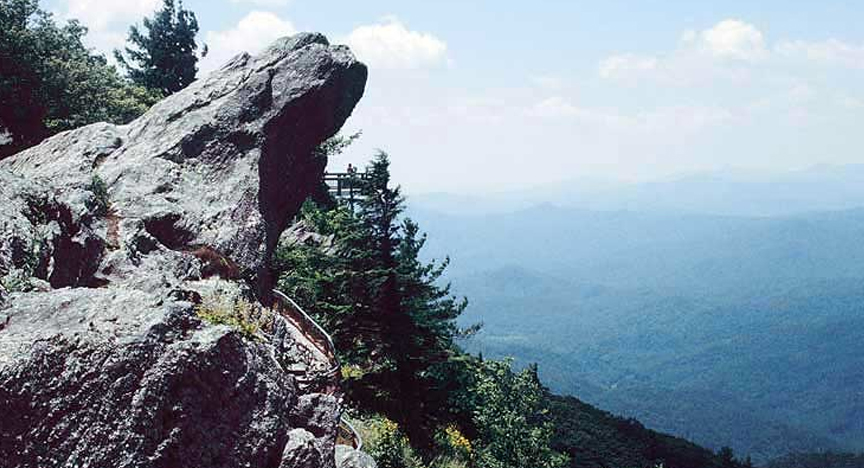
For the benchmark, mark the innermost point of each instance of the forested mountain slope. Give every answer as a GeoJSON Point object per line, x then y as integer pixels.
{"type": "Point", "coordinates": [819, 460]}
{"type": "Point", "coordinates": [596, 439]}
{"type": "Point", "coordinates": [730, 331]}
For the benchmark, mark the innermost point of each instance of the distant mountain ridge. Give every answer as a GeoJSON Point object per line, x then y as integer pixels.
{"type": "Point", "coordinates": [728, 192]}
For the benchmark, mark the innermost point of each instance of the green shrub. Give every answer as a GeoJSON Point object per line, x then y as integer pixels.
{"type": "Point", "coordinates": [512, 418]}
{"type": "Point", "coordinates": [454, 444]}
{"type": "Point", "coordinates": [386, 443]}
{"type": "Point", "coordinates": [98, 203]}
{"type": "Point", "coordinates": [16, 280]}
{"type": "Point", "coordinates": [20, 278]}
{"type": "Point", "coordinates": [247, 318]}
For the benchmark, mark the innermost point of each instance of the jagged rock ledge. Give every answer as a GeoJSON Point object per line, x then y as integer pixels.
{"type": "Point", "coordinates": [111, 236]}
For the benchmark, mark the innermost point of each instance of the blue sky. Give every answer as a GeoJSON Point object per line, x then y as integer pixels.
{"type": "Point", "coordinates": [472, 96]}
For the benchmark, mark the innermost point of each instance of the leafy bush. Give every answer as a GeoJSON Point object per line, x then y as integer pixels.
{"type": "Point", "coordinates": [512, 418]}
{"type": "Point", "coordinates": [388, 445]}
{"type": "Point", "coordinates": [354, 372]}
{"type": "Point", "coordinates": [455, 450]}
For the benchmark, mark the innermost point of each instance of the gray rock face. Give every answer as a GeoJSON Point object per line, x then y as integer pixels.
{"type": "Point", "coordinates": [347, 457]}
{"type": "Point", "coordinates": [112, 239]}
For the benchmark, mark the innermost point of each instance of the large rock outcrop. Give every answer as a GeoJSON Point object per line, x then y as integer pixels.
{"type": "Point", "coordinates": [114, 240]}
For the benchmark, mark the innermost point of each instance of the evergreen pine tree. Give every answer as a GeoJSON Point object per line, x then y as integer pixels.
{"type": "Point", "coordinates": [164, 57]}
{"type": "Point", "coordinates": [726, 458]}
{"type": "Point", "coordinates": [390, 317]}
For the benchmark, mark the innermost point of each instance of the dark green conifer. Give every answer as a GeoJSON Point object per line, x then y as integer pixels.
{"type": "Point", "coordinates": [392, 319]}
{"type": "Point", "coordinates": [164, 56]}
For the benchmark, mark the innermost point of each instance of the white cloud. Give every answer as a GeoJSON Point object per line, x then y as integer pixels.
{"type": "Point", "coordinates": [735, 39]}
{"type": "Point", "coordinates": [264, 3]}
{"type": "Point", "coordinates": [627, 65]}
{"type": "Point", "coordinates": [802, 92]}
{"type": "Point", "coordinates": [102, 14]}
{"type": "Point", "coordinates": [850, 102]}
{"type": "Point", "coordinates": [253, 33]}
{"type": "Point", "coordinates": [832, 51]}
{"type": "Point", "coordinates": [484, 110]}
{"type": "Point", "coordinates": [679, 119]}
{"type": "Point", "coordinates": [561, 108]}
{"type": "Point", "coordinates": [725, 49]}
{"type": "Point", "coordinates": [391, 45]}
{"type": "Point", "coordinates": [548, 81]}
{"type": "Point", "coordinates": [107, 20]}
{"type": "Point", "coordinates": [555, 107]}
{"type": "Point", "coordinates": [689, 36]}
{"type": "Point", "coordinates": [674, 119]}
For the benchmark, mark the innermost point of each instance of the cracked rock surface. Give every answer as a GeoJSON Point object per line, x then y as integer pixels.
{"type": "Point", "coordinates": [112, 238]}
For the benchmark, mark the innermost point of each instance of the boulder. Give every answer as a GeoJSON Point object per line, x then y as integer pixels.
{"type": "Point", "coordinates": [348, 457]}
{"type": "Point", "coordinates": [135, 327]}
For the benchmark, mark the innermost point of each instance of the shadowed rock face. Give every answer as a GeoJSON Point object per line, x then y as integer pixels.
{"type": "Point", "coordinates": [110, 235]}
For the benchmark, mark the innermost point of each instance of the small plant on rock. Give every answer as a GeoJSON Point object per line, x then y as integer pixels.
{"type": "Point", "coordinates": [98, 203]}
{"type": "Point", "coordinates": [247, 318]}
{"type": "Point", "coordinates": [16, 280]}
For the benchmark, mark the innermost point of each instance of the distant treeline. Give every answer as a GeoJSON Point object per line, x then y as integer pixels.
{"type": "Point", "coordinates": [819, 460]}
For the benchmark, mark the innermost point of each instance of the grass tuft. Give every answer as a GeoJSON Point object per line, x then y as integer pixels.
{"type": "Point", "coordinates": [247, 318]}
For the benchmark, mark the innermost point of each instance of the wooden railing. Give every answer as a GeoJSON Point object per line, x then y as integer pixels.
{"type": "Point", "coordinates": [313, 332]}
{"type": "Point", "coordinates": [347, 433]}
{"type": "Point", "coordinates": [345, 184]}
{"type": "Point", "coordinates": [323, 342]}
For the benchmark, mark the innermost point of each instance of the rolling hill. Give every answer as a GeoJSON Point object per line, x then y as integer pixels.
{"type": "Point", "coordinates": [727, 330]}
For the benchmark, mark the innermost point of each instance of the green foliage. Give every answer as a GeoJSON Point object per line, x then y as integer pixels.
{"type": "Point", "coordinates": [394, 325]}
{"type": "Point", "coordinates": [247, 318]}
{"type": "Point", "coordinates": [16, 280]}
{"type": "Point", "coordinates": [388, 445]}
{"type": "Point", "coordinates": [390, 317]}
{"type": "Point", "coordinates": [454, 446]}
{"type": "Point", "coordinates": [335, 145]}
{"type": "Point", "coordinates": [51, 82]}
{"type": "Point", "coordinates": [512, 419]}
{"type": "Point", "coordinates": [597, 439]}
{"type": "Point", "coordinates": [99, 203]}
{"type": "Point", "coordinates": [164, 58]}
{"type": "Point", "coordinates": [20, 277]}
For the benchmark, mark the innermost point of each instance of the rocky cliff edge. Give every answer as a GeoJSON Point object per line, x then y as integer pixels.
{"type": "Point", "coordinates": [135, 327]}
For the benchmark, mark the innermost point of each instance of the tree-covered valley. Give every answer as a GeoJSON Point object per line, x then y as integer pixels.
{"type": "Point", "coordinates": [728, 330]}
